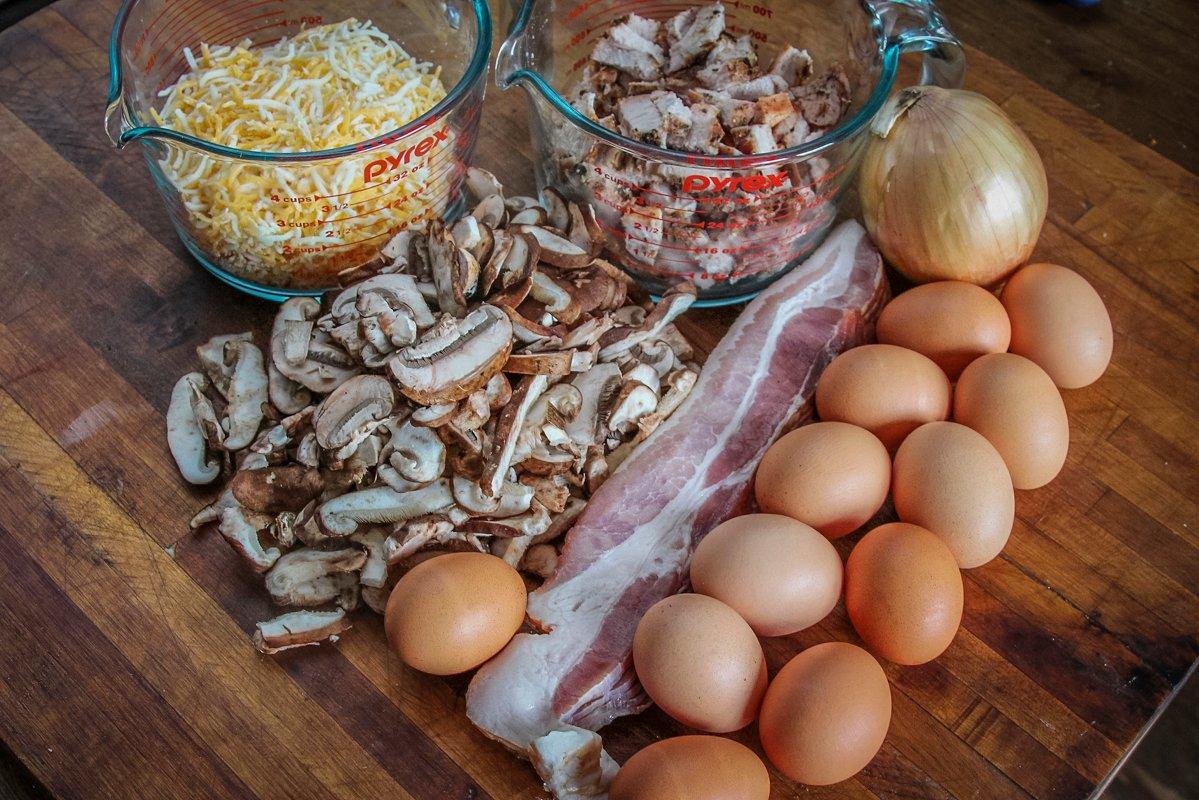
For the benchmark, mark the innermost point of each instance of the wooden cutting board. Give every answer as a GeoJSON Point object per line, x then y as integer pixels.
{"type": "Point", "coordinates": [126, 669]}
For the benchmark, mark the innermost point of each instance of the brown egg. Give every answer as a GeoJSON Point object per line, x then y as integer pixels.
{"type": "Point", "coordinates": [1059, 321]}
{"type": "Point", "coordinates": [780, 575]}
{"type": "Point", "coordinates": [453, 612]}
{"type": "Point", "coordinates": [831, 475]}
{"type": "Point", "coordinates": [826, 714]}
{"type": "Point", "coordinates": [692, 768]}
{"type": "Point", "coordinates": [1014, 404]}
{"type": "Point", "coordinates": [951, 322]}
{"type": "Point", "coordinates": [888, 390]}
{"type": "Point", "coordinates": [951, 480]}
{"type": "Point", "coordinates": [903, 592]}
{"type": "Point", "coordinates": [700, 662]}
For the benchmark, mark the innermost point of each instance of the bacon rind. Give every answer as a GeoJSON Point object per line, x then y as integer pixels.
{"type": "Point", "coordinates": [632, 545]}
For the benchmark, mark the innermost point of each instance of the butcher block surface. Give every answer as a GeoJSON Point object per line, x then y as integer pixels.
{"type": "Point", "coordinates": [127, 670]}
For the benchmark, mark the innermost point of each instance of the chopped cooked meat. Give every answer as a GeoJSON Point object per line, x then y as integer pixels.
{"type": "Point", "coordinates": [773, 109]}
{"type": "Point", "coordinates": [692, 34]}
{"type": "Point", "coordinates": [627, 47]}
{"type": "Point", "coordinates": [723, 74]}
{"type": "Point", "coordinates": [641, 119]}
{"type": "Point", "coordinates": [676, 118]}
{"type": "Point", "coordinates": [757, 139]}
{"type": "Point", "coordinates": [823, 99]}
{"type": "Point", "coordinates": [643, 226]}
{"type": "Point", "coordinates": [729, 48]}
{"type": "Point", "coordinates": [792, 65]}
{"type": "Point", "coordinates": [758, 87]}
{"type": "Point", "coordinates": [705, 133]}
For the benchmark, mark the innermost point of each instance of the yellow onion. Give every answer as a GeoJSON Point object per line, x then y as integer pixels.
{"type": "Point", "coordinates": [951, 189]}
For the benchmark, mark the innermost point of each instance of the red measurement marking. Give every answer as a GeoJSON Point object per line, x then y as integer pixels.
{"type": "Point", "coordinates": [656, 10]}
{"type": "Point", "coordinates": [168, 20]}
{"type": "Point", "coordinates": [229, 29]}
{"type": "Point", "coordinates": [185, 22]}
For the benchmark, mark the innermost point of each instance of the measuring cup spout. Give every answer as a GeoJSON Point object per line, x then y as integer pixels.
{"type": "Point", "coordinates": [916, 26]}
{"type": "Point", "coordinates": [510, 59]}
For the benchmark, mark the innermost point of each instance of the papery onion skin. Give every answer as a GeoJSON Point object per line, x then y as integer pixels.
{"type": "Point", "coordinates": [951, 189]}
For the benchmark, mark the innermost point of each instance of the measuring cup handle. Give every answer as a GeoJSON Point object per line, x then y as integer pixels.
{"type": "Point", "coordinates": [916, 26]}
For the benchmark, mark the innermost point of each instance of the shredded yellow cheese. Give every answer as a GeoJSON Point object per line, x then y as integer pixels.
{"type": "Point", "coordinates": [327, 87]}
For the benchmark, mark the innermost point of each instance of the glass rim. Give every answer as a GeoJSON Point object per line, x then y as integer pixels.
{"type": "Point", "coordinates": [844, 130]}
{"type": "Point", "coordinates": [476, 68]}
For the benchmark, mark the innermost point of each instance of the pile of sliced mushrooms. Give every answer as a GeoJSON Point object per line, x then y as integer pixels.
{"type": "Point", "coordinates": [469, 389]}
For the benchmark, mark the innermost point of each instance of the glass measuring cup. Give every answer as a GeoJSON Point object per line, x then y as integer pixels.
{"type": "Point", "coordinates": [279, 224]}
{"type": "Point", "coordinates": [729, 223]}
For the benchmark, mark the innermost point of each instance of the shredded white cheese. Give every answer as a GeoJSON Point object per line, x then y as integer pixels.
{"type": "Point", "coordinates": [327, 87]}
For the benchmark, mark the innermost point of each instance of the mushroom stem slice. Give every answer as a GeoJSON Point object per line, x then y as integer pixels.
{"type": "Point", "coordinates": [671, 306]}
{"type": "Point", "coordinates": [417, 453]}
{"type": "Point", "coordinates": [374, 569]}
{"type": "Point", "coordinates": [299, 629]}
{"type": "Point", "coordinates": [507, 432]}
{"type": "Point", "coordinates": [340, 516]}
{"type": "Point", "coordinates": [184, 434]}
{"type": "Point", "coordinates": [512, 499]}
{"type": "Point", "coordinates": [240, 530]}
{"type": "Point", "coordinates": [247, 393]}
{"type": "Point", "coordinates": [308, 577]}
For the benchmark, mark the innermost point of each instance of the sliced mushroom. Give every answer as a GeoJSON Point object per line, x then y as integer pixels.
{"type": "Point", "coordinates": [512, 499]}
{"type": "Point", "coordinates": [247, 393]}
{"type": "Point", "coordinates": [533, 215]}
{"type": "Point", "coordinates": [507, 432]}
{"type": "Point", "coordinates": [299, 629]}
{"type": "Point", "coordinates": [352, 412]}
{"type": "Point", "coordinates": [473, 412]}
{"type": "Point", "coordinates": [452, 270]}
{"type": "Point", "coordinates": [417, 453]}
{"type": "Point", "coordinates": [481, 183]}
{"type": "Point", "coordinates": [516, 271]}
{"type": "Point", "coordinates": [595, 469]}
{"type": "Point", "coordinates": [448, 366]}
{"type": "Point", "coordinates": [498, 392]}
{"type": "Point", "coordinates": [414, 536]}
{"type": "Point", "coordinates": [554, 364]}
{"type": "Point", "coordinates": [184, 435]}
{"type": "Point", "coordinates": [240, 529]}
{"type": "Point", "coordinates": [519, 203]}
{"type": "Point", "coordinates": [341, 515]}
{"type": "Point", "coordinates": [584, 229]}
{"type": "Point", "coordinates": [283, 529]}
{"type": "Point", "coordinates": [490, 269]}
{"type": "Point", "coordinates": [308, 577]}
{"type": "Point", "coordinates": [474, 237]}
{"type": "Point", "coordinates": [376, 598]}
{"type": "Point", "coordinates": [212, 512]}
{"type": "Point", "coordinates": [211, 356]}
{"type": "Point", "coordinates": [560, 523]}
{"type": "Point", "coordinates": [645, 375]}
{"type": "Point", "coordinates": [679, 385]}
{"type": "Point", "coordinates": [435, 415]}
{"type": "Point", "coordinates": [599, 388]}
{"type": "Point", "coordinates": [672, 305]}
{"type": "Point", "coordinates": [556, 250]}
{"type": "Point", "coordinates": [556, 211]}
{"type": "Point", "coordinates": [551, 491]}
{"type": "Point", "coordinates": [374, 570]}
{"type": "Point", "coordinates": [276, 489]}
{"type": "Point", "coordinates": [390, 476]}
{"type": "Point", "coordinates": [308, 451]}
{"type": "Point", "coordinates": [556, 298]}
{"type": "Point", "coordinates": [540, 560]}
{"type": "Point", "coordinates": [284, 393]}
{"type": "Point", "coordinates": [635, 401]}
{"type": "Point", "coordinates": [491, 211]}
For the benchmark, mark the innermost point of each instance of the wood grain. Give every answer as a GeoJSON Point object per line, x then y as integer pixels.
{"type": "Point", "coordinates": [1071, 641]}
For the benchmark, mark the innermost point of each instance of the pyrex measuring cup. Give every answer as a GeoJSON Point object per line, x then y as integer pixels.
{"type": "Point", "coordinates": [729, 223]}
{"type": "Point", "coordinates": [277, 224]}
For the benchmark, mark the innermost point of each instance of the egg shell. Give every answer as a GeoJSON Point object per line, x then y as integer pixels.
{"type": "Point", "coordinates": [826, 714]}
{"type": "Point", "coordinates": [1016, 406]}
{"type": "Point", "coordinates": [692, 768]}
{"type": "Point", "coordinates": [831, 475]}
{"type": "Point", "coordinates": [950, 322]}
{"type": "Point", "coordinates": [700, 662]}
{"type": "Point", "coordinates": [453, 612]}
{"type": "Point", "coordinates": [950, 479]}
{"type": "Point", "coordinates": [888, 390]}
{"type": "Point", "coordinates": [780, 575]}
{"type": "Point", "coordinates": [903, 592]}
{"type": "Point", "coordinates": [1059, 322]}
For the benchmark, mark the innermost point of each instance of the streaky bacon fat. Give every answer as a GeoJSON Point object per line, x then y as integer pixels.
{"type": "Point", "coordinates": [633, 543]}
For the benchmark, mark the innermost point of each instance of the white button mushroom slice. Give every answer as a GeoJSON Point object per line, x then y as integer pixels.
{"type": "Point", "coordinates": [292, 331]}
{"type": "Point", "coordinates": [450, 267]}
{"type": "Point", "coordinates": [491, 211]}
{"type": "Point", "coordinates": [308, 577]}
{"type": "Point", "coordinates": [392, 477]}
{"type": "Point", "coordinates": [508, 430]}
{"type": "Point", "coordinates": [206, 418]}
{"type": "Point", "coordinates": [447, 366]}
{"type": "Point", "coordinates": [557, 407]}
{"type": "Point", "coordinates": [680, 384]}
{"type": "Point", "coordinates": [645, 375]}
{"type": "Point", "coordinates": [184, 435]}
{"type": "Point", "coordinates": [284, 393]}
{"type": "Point", "coordinates": [473, 412]}
{"type": "Point", "coordinates": [532, 215]}
{"type": "Point", "coordinates": [598, 388]}
{"type": "Point", "coordinates": [555, 250]}
{"type": "Point", "coordinates": [364, 460]}
{"type": "Point", "coordinates": [658, 355]}
{"type": "Point", "coordinates": [283, 529]}
{"type": "Point", "coordinates": [412, 537]}
{"type": "Point", "coordinates": [595, 469]}
{"type": "Point", "coordinates": [308, 450]}
{"type": "Point", "coordinates": [340, 516]}
{"type": "Point", "coordinates": [556, 296]}
{"type": "Point", "coordinates": [518, 203]}
{"type": "Point", "coordinates": [635, 401]}
{"type": "Point", "coordinates": [515, 277]}
{"type": "Point", "coordinates": [481, 183]}
{"type": "Point", "coordinates": [374, 570]}
{"type": "Point", "coordinates": [491, 267]}
{"type": "Point", "coordinates": [299, 629]}
{"type": "Point", "coordinates": [211, 355]}
{"type": "Point", "coordinates": [553, 364]}
{"type": "Point", "coordinates": [434, 416]}
{"type": "Point", "coordinates": [556, 211]}
{"type": "Point", "coordinates": [212, 512]}
{"type": "Point", "coordinates": [548, 460]}
{"type": "Point", "coordinates": [326, 365]}
{"type": "Point", "coordinates": [417, 453]}
{"type": "Point", "coordinates": [396, 291]}
{"type": "Point", "coordinates": [512, 499]}
{"type": "Point", "coordinates": [240, 529]}
{"type": "Point", "coordinates": [668, 309]}
{"type": "Point", "coordinates": [540, 560]}
{"type": "Point", "coordinates": [588, 332]}
{"type": "Point", "coordinates": [498, 392]}
{"type": "Point", "coordinates": [473, 237]}
{"type": "Point", "coordinates": [353, 411]}
{"type": "Point", "coordinates": [247, 394]}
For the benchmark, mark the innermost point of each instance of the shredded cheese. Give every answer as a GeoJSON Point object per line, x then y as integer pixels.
{"type": "Point", "coordinates": [327, 87]}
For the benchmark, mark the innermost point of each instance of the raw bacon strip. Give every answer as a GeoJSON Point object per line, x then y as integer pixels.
{"type": "Point", "coordinates": [633, 543]}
